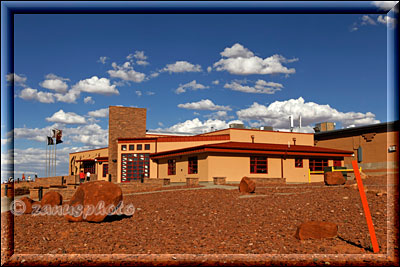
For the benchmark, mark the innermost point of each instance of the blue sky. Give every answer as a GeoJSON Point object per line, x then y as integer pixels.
{"type": "Point", "coordinates": [191, 72]}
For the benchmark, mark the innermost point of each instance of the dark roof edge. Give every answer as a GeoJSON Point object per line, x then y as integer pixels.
{"type": "Point", "coordinates": [382, 127]}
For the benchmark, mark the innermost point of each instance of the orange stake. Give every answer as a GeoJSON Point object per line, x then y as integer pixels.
{"type": "Point", "coordinates": [371, 229]}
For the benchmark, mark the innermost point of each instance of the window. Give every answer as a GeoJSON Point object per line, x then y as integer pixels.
{"type": "Point", "coordinates": [298, 163]}
{"type": "Point", "coordinates": [131, 147]}
{"type": "Point", "coordinates": [192, 165]}
{"type": "Point", "coordinates": [123, 147]}
{"type": "Point", "coordinates": [147, 147]}
{"type": "Point", "coordinates": [258, 165]}
{"type": "Point", "coordinates": [318, 164]}
{"type": "Point", "coordinates": [171, 167]}
{"type": "Point", "coordinates": [134, 165]}
{"type": "Point", "coordinates": [89, 167]}
{"type": "Point", "coordinates": [337, 163]}
{"type": "Point", "coordinates": [139, 147]}
{"type": "Point", "coordinates": [105, 170]}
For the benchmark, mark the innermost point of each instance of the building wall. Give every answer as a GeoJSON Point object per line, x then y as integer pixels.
{"type": "Point", "coordinates": [182, 169]}
{"type": "Point", "coordinates": [375, 152]}
{"type": "Point", "coordinates": [123, 122]}
{"type": "Point", "coordinates": [293, 174]}
{"type": "Point", "coordinates": [75, 167]}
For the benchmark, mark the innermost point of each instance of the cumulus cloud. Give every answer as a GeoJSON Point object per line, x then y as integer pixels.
{"type": "Point", "coordinates": [241, 61]}
{"type": "Point", "coordinates": [100, 113]}
{"type": "Point", "coordinates": [209, 69]}
{"type": "Point", "coordinates": [88, 100]}
{"type": "Point", "coordinates": [220, 115]}
{"type": "Point", "coordinates": [66, 118]}
{"type": "Point", "coordinates": [367, 20]}
{"type": "Point", "coordinates": [150, 93]}
{"type": "Point", "coordinates": [204, 104]}
{"type": "Point", "coordinates": [96, 85]}
{"type": "Point", "coordinates": [277, 114]}
{"type": "Point", "coordinates": [138, 93]}
{"type": "Point", "coordinates": [260, 87]}
{"type": "Point", "coordinates": [16, 79]}
{"type": "Point", "coordinates": [193, 85]}
{"type": "Point", "coordinates": [391, 22]}
{"type": "Point", "coordinates": [216, 82]}
{"type": "Point", "coordinates": [57, 85]}
{"type": "Point", "coordinates": [182, 66]}
{"type": "Point", "coordinates": [33, 94]}
{"type": "Point", "coordinates": [102, 60]}
{"type": "Point", "coordinates": [385, 5]}
{"type": "Point", "coordinates": [126, 72]}
{"type": "Point", "coordinates": [197, 126]}
{"type": "Point", "coordinates": [140, 58]}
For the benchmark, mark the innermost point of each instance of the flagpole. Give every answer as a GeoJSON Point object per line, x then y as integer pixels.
{"type": "Point", "coordinates": [45, 161]}
{"type": "Point", "coordinates": [55, 158]}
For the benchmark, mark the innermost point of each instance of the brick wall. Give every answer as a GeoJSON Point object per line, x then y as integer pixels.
{"type": "Point", "coordinates": [123, 122]}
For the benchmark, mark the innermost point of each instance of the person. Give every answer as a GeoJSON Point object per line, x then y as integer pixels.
{"type": "Point", "coordinates": [81, 177]}
{"type": "Point", "coordinates": [35, 176]}
{"type": "Point", "coordinates": [23, 177]}
{"type": "Point", "coordinates": [29, 178]}
{"type": "Point", "coordinates": [88, 176]}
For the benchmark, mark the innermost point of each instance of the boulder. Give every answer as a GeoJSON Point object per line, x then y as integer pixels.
{"type": "Point", "coordinates": [28, 205]}
{"type": "Point", "coordinates": [316, 230]}
{"type": "Point", "coordinates": [247, 185]}
{"type": "Point", "coordinates": [93, 201]}
{"type": "Point", "coordinates": [334, 178]}
{"type": "Point", "coordinates": [51, 198]}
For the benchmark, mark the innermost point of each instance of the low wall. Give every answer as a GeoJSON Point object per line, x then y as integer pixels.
{"type": "Point", "coordinates": [266, 181]}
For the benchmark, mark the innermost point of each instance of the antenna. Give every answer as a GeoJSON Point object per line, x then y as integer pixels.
{"type": "Point", "coordinates": [291, 122]}
{"type": "Point", "coordinates": [300, 121]}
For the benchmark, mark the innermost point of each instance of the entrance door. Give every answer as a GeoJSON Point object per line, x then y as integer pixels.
{"type": "Point", "coordinates": [133, 165]}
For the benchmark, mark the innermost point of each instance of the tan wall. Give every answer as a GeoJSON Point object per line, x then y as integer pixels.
{"type": "Point", "coordinates": [235, 167]}
{"type": "Point", "coordinates": [89, 154]}
{"type": "Point", "coordinates": [182, 169]}
{"type": "Point", "coordinates": [271, 137]}
{"type": "Point", "coordinates": [375, 151]}
{"type": "Point", "coordinates": [293, 174]}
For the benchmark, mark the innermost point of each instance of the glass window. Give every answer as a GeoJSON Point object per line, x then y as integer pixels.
{"type": "Point", "coordinates": [318, 164]}
{"type": "Point", "coordinates": [258, 165]}
{"type": "Point", "coordinates": [105, 170]}
{"type": "Point", "coordinates": [131, 147]}
{"type": "Point", "coordinates": [139, 147]}
{"type": "Point", "coordinates": [123, 147]}
{"type": "Point", "coordinates": [147, 147]}
{"type": "Point", "coordinates": [192, 165]}
{"type": "Point", "coordinates": [171, 167]}
{"type": "Point", "coordinates": [298, 163]}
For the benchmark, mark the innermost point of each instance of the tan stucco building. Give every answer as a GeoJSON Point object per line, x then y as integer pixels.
{"type": "Point", "coordinates": [231, 153]}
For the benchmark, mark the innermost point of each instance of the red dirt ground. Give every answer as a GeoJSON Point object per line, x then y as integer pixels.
{"type": "Point", "coordinates": [217, 221]}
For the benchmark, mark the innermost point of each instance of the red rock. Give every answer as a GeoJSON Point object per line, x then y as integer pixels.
{"type": "Point", "coordinates": [247, 185]}
{"type": "Point", "coordinates": [51, 198]}
{"type": "Point", "coordinates": [334, 178]}
{"type": "Point", "coordinates": [316, 230]}
{"type": "Point", "coordinates": [28, 205]}
{"type": "Point", "coordinates": [89, 196]}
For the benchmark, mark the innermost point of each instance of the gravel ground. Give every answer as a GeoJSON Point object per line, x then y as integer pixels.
{"type": "Point", "coordinates": [217, 221]}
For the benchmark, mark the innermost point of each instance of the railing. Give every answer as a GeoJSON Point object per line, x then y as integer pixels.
{"type": "Point", "coordinates": [332, 169]}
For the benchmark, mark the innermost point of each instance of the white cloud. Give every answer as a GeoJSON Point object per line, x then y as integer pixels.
{"type": "Point", "coordinates": [216, 82]}
{"type": "Point", "coordinates": [88, 100]}
{"type": "Point", "coordinates": [96, 85]}
{"type": "Point", "coordinates": [197, 126]}
{"type": "Point", "coordinates": [18, 79]}
{"type": "Point", "coordinates": [150, 93]}
{"type": "Point", "coordinates": [209, 69]}
{"type": "Point", "coordinates": [277, 114]}
{"type": "Point", "coordinates": [140, 58]}
{"type": "Point", "coordinates": [220, 115]}
{"type": "Point", "coordinates": [182, 66]}
{"type": "Point", "coordinates": [391, 22]}
{"type": "Point", "coordinates": [100, 113]}
{"type": "Point", "coordinates": [193, 85]}
{"type": "Point", "coordinates": [154, 74]}
{"type": "Point", "coordinates": [57, 85]}
{"type": "Point", "coordinates": [102, 60]}
{"type": "Point", "coordinates": [69, 97]}
{"type": "Point", "coordinates": [367, 20]}
{"type": "Point", "coordinates": [126, 72]}
{"type": "Point", "coordinates": [138, 93]}
{"type": "Point", "coordinates": [204, 104]}
{"type": "Point", "coordinates": [241, 61]}
{"type": "Point", "coordinates": [66, 118]}
{"type": "Point", "coordinates": [385, 5]}
{"type": "Point", "coordinates": [260, 87]}
{"type": "Point", "coordinates": [33, 94]}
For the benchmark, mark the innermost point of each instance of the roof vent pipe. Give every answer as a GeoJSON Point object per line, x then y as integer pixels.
{"type": "Point", "coordinates": [299, 121]}
{"type": "Point", "coordinates": [288, 144]}
{"type": "Point", "coordinates": [291, 122]}
{"type": "Point", "coordinates": [252, 139]}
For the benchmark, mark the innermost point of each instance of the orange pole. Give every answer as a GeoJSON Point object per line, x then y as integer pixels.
{"type": "Point", "coordinates": [371, 229]}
